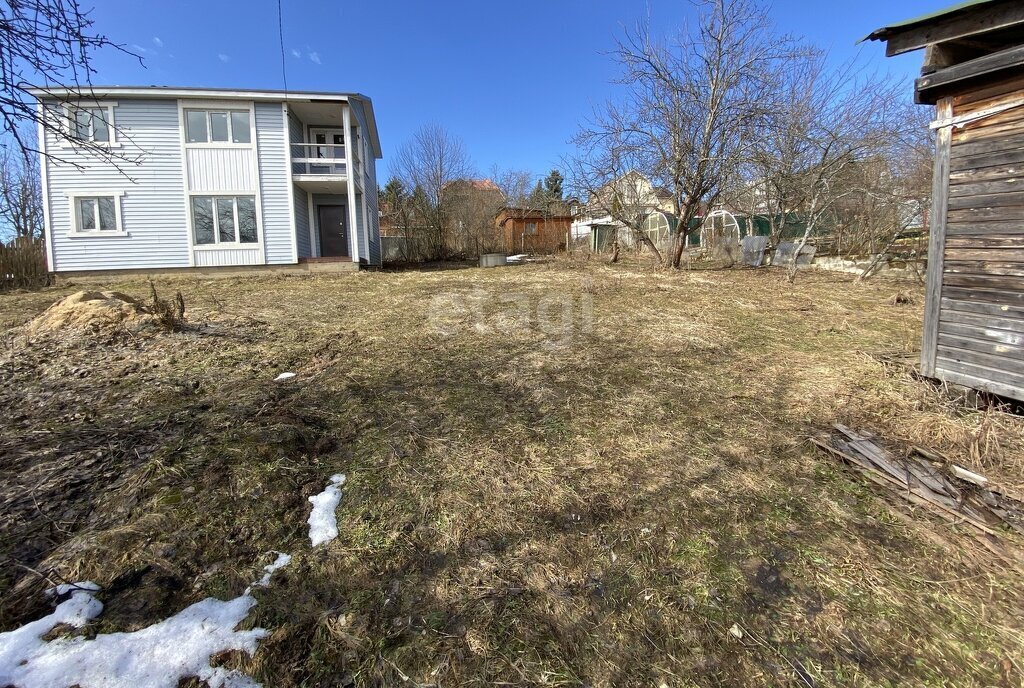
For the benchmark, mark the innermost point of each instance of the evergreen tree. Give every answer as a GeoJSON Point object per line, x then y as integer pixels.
{"type": "Point", "coordinates": [553, 185]}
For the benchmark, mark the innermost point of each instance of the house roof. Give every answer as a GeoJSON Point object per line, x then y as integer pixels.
{"type": "Point", "coordinates": [886, 31]}
{"type": "Point", "coordinates": [275, 95]}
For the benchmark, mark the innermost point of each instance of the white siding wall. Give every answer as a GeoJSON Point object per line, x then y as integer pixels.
{"type": "Point", "coordinates": [153, 205]}
{"type": "Point", "coordinates": [227, 256]}
{"type": "Point", "coordinates": [275, 180]}
{"type": "Point", "coordinates": [221, 169]}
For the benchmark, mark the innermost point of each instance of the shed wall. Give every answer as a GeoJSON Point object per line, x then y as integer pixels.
{"type": "Point", "coordinates": [979, 337]}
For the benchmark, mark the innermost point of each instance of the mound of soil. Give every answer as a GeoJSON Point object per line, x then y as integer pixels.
{"type": "Point", "coordinates": [94, 311]}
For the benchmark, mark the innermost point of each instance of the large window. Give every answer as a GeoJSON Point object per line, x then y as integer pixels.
{"type": "Point", "coordinates": [96, 214]}
{"type": "Point", "coordinates": [217, 126]}
{"type": "Point", "coordinates": [224, 220]}
{"type": "Point", "coordinates": [531, 227]}
{"type": "Point", "coordinates": [93, 123]}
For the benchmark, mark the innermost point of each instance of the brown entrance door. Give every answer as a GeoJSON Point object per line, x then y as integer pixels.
{"type": "Point", "coordinates": [333, 232]}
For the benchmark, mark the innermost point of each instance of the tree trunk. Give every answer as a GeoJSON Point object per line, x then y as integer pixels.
{"type": "Point", "coordinates": [799, 248]}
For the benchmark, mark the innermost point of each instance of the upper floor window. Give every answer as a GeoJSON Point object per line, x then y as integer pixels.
{"type": "Point", "coordinates": [91, 123]}
{"type": "Point", "coordinates": [217, 126]}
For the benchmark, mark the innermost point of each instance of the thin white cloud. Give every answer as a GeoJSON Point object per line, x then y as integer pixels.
{"type": "Point", "coordinates": [222, 57]}
{"type": "Point", "coordinates": [314, 58]}
{"type": "Point", "coordinates": [296, 53]}
{"type": "Point", "coordinates": [157, 42]}
{"type": "Point", "coordinates": [139, 49]}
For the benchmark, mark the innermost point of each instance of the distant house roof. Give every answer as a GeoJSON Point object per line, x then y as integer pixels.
{"type": "Point", "coordinates": [478, 184]}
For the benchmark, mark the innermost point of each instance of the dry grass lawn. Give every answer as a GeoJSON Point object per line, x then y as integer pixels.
{"type": "Point", "coordinates": [562, 474]}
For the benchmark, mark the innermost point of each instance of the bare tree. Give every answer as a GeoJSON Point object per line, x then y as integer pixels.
{"type": "Point", "coordinates": [21, 201]}
{"type": "Point", "coordinates": [692, 104]}
{"type": "Point", "coordinates": [431, 160]}
{"type": "Point", "coordinates": [829, 123]}
{"type": "Point", "coordinates": [44, 42]}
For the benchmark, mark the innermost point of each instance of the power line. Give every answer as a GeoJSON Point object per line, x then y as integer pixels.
{"type": "Point", "coordinates": [280, 36]}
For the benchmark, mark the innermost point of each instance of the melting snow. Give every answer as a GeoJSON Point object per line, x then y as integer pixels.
{"type": "Point", "coordinates": [284, 376]}
{"type": "Point", "coordinates": [158, 656]}
{"type": "Point", "coordinates": [282, 560]}
{"type": "Point", "coordinates": [323, 525]}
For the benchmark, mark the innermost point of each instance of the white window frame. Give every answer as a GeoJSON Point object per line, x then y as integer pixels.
{"type": "Point", "coordinates": [217, 243]}
{"type": "Point", "coordinates": [70, 125]}
{"type": "Point", "coordinates": [76, 231]}
{"type": "Point", "coordinates": [208, 111]}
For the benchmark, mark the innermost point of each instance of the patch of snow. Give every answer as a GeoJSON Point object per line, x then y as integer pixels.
{"type": "Point", "coordinates": [323, 524]}
{"type": "Point", "coordinates": [281, 561]}
{"type": "Point", "coordinates": [517, 258]}
{"type": "Point", "coordinates": [158, 656]}
{"type": "Point", "coordinates": [284, 376]}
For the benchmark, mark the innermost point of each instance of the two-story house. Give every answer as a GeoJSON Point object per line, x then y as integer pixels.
{"type": "Point", "coordinates": [208, 180]}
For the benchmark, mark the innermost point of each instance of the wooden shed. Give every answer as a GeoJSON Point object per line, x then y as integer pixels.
{"type": "Point", "coordinates": [973, 74]}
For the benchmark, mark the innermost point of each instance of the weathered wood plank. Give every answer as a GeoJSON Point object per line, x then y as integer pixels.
{"type": "Point", "coordinates": [986, 241]}
{"type": "Point", "coordinates": [987, 174]}
{"type": "Point", "coordinates": [1003, 255]}
{"type": "Point", "coordinates": [1006, 143]}
{"type": "Point", "coordinates": [936, 240]}
{"type": "Point", "coordinates": [986, 214]}
{"type": "Point", "coordinates": [984, 371]}
{"type": "Point", "coordinates": [990, 334]}
{"type": "Point", "coordinates": [984, 160]}
{"type": "Point", "coordinates": [1013, 199]}
{"type": "Point", "coordinates": [1002, 367]}
{"type": "Point", "coordinates": [986, 65]}
{"type": "Point", "coordinates": [1014, 361]}
{"type": "Point", "coordinates": [992, 296]}
{"type": "Point", "coordinates": [981, 188]}
{"type": "Point", "coordinates": [985, 267]}
{"type": "Point", "coordinates": [1002, 282]}
{"type": "Point", "coordinates": [1001, 310]}
{"type": "Point", "coordinates": [1005, 227]}
{"type": "Point", "coordinates": [981, 321]}
{"type": "Point", "coordinates": [981, 380]}
{"type": "Point", "coordinates": [988, 95]}
{"type": "Point", "coordinates": [987, 129]}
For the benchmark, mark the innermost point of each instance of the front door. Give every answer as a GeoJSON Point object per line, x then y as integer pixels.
{"type": "Point", "coordinates": [333, 230]}
{"type": "Point", "coordinates": [330, 145]}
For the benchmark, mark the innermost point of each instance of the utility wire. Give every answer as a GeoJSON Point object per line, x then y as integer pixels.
{"type": "Point", "coordinates": [280, 36]}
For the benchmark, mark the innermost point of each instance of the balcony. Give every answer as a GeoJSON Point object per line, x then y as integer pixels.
{"type": "Point", "coordinates": [319, 167]}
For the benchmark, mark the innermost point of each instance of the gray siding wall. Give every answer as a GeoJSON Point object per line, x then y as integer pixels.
{"type": "Point", "coordinates": [369, 183]}
{"type": "Point", "coordinates": [153, 204]}
{"type": "Point", "coordinates": [302, 223]}
{"type": "Point", "coordinates": [275, 182]}
{"type": "Point", "coordinates": [359, 224]}
{"type": "Point", "coordinates": [297, 132]}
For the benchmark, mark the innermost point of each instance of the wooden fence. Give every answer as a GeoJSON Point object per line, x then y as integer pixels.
{"type": "Point", "coordinates": [23, 265]}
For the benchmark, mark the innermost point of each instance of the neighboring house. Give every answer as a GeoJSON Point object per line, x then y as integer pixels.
{"type": "Point", "coordinates": [530, 230]}
{"type": "Point", "coordinates": [208, 180]}
{"type": "Point", "coordinates": [632, 195]}
{"type": "Point", "coordinates": [973, 74]}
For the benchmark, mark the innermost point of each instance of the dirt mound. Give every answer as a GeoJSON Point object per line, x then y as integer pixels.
{"type": "Point", "coordinates": [94, 311]}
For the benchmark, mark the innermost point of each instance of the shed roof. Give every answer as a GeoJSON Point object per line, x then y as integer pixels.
{"type": "Point", "coordinates": [885, 31]}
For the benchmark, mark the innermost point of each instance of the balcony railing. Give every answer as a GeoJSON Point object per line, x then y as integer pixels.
{"type": "Point", "coordinates": [318, 158]}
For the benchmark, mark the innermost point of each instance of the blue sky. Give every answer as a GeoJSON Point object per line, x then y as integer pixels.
{"type": "Point", "coordinates": [512, 79]}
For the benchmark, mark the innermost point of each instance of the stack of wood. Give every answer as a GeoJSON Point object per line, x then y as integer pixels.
{"type": "Point", "coordinates": [925, 478]}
